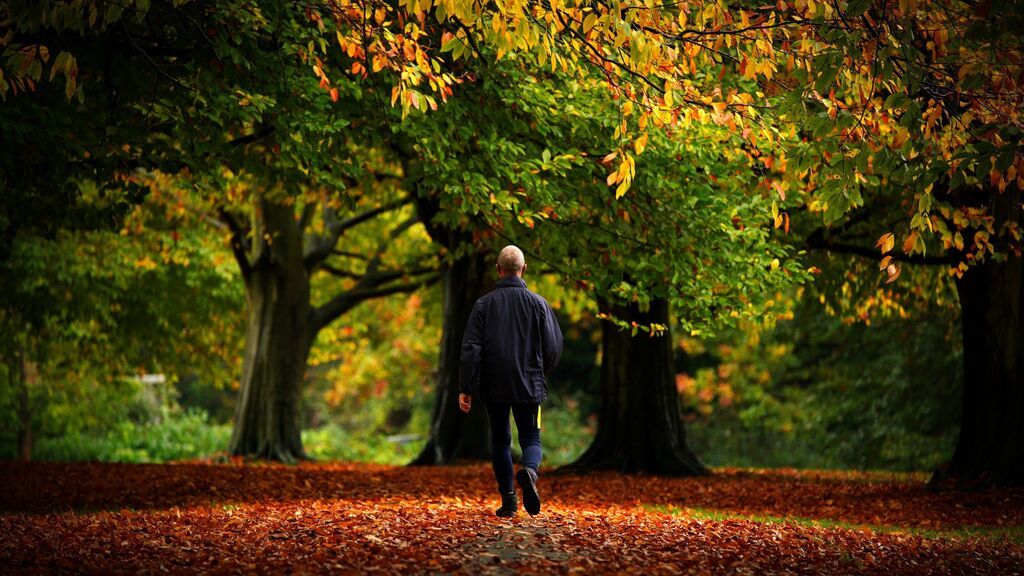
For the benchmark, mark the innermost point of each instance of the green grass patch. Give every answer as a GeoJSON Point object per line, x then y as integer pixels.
{"type": "Point", "coordinates": [1013, 534]}
{"type": "Point", "coordinates": [178, 436]}
{"type": "Point", "coordinates": [333, 442]}
{"type": "Point", "coordinates": [846, 475]}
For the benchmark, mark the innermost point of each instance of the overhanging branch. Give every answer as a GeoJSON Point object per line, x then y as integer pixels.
{"type": "Point", "coordinates": [322, 249]}
{"type": "Point", "coordinates": [371, 286]}
{"type": "Point", "coordinates": [817, 242]}
{"type": "Point", "coordinates": [394, 289]}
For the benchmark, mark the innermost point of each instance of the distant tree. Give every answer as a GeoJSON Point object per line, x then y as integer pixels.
{"type": "Point", "coordinates": [232, 99]}
{"type": "Point", "coordinates": [87, 312]}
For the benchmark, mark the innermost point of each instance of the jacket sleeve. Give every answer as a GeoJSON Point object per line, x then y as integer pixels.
{"type": "Point", "coordinates": [551, 339]}
{"type": "Point", "coordinates": [471, 357]}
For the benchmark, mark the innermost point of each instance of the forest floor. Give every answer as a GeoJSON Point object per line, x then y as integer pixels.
{"type": "Point", "coordinates": [319, 517]}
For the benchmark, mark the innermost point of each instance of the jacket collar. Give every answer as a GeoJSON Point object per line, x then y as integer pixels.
{"type": "Point", "coordinates": [510, 282]}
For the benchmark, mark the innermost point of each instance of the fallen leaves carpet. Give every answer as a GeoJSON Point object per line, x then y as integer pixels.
{"type": "Point", "coordinates": [347, 518]}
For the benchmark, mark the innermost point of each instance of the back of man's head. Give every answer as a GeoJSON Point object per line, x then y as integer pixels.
{"type": "Point", "coordinates": [511, 261]}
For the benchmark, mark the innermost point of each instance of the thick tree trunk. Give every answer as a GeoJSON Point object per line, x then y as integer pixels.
{"type": "Point", "coordinates": [24, 409]}
{"type": "Point", "coordinates": [991, 444]}
{"type": "Point", "coordinates": [267, 420]}
{"type": "Point", "coordinates": [455, 435]}
{"type": "Point", "coordinates": [639, 425]}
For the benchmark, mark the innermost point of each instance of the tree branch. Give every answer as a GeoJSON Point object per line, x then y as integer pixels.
{"type": "Point", "coordinates": [347, 254]}
{"type": "Point", "coordinates": [307, 216]}
{"type": "Point", "coordinates": [374, 262]}
{"type": "Point", "coordinates": [323, 315]}
{"type": "Point", "coordinates": [337, 271]}
{"type": "Point", "coordinates": [256, 136]}
{"type": "Point", "coordinates": [319, 251]}
{"type": "Point", "coordinates": [817, 242]}
{"type": "Point", "coordinates": [394, 289]}
{"type": "Point", "coordinates": [380, 278]}
{"type": "Point", "coordinates": [238, 244]}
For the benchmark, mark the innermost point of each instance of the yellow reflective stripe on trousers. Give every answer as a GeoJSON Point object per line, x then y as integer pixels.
{"type": "Point", "coordinates": [538, 417]}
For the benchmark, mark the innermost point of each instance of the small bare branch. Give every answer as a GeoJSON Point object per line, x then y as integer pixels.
{"type": "Point", "coordinates": [319, 251]}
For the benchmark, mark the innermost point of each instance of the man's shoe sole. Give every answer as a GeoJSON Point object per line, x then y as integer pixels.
{"type": "Point", "coordinates": [531, 500]}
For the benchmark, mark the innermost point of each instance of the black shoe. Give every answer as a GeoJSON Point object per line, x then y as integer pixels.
{"type": "Point", "coordinates": [527, 478]}
{"type": "Point", "coordinates": [509, 505]}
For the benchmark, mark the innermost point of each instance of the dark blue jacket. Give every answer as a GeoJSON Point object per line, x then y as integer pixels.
{"type": "Point", "coordinates": [512, 341]}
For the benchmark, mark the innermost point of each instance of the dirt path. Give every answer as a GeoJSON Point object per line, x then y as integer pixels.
{"type": "Point", "coordinates": [535, 543]}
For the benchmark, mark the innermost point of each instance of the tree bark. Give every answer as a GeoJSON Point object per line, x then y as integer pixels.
{"type": "Point", "coordinates": [990, 449]}
{"type": "Point", "coordinates": [639, 425]}
{"type": "Point", "coordinates": [278, 340]}
{"type": "Point", "coordinates": [454, 435]}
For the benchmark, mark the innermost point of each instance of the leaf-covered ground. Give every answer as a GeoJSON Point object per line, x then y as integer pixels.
{"type": "Point", "coordinates": [100, 518]}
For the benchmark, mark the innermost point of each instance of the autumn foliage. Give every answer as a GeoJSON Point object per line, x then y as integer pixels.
{"type": "Point", "coordinates": [198, 517]}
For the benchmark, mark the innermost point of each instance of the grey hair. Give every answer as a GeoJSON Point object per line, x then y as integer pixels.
{"type": "Point", "coordinates": [511, 259]}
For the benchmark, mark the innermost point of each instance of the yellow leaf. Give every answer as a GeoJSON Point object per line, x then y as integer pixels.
{"type": "Point", "coordinates": [640, 144]}
{"type": "Point", "coordinates": [624, 169]}
{"type": "Point", "coordinates": [621, 190]}
{"type": "Point", "coordinates": [886, 242]}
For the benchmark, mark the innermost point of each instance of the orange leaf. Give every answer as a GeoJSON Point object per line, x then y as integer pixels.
{"type": "Point", "coordinates": [885, 242]}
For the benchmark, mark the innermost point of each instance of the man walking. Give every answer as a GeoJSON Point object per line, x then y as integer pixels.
{"type": "Point", "coordinates": [512, 341]}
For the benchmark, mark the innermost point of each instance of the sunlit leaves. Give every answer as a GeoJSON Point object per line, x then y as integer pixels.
{"type": "Point", "coordinates": [846, 76]}
{"type": "Point", "coordinates": [793, 58]}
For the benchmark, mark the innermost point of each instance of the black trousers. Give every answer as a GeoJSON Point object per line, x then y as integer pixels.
{"type": "Point", "coordinates": [527, 418]}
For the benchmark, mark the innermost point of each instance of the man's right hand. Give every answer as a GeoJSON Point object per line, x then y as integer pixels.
{"type": "Point", "coordinates": [465, 402]}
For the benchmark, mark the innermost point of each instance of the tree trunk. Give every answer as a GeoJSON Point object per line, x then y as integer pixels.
{"type": "Point", "coordinates": [990, 448]}
{"type": "Point", "coordinates": [267, 420]}
{"type": "Point", "coordinates": [24, 408]}
{"type": "Point", "coordinates": [455, 435]}
{"type": "Point", "coordinates": [639, 425]}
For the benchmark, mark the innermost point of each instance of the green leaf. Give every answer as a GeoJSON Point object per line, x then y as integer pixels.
{"type": "Point", "coordinates": [855, 8]}
{"type": "Point", "coordinates": [822, 126]}
{"type": "Point", "coordinates": [897, 100]}
{"type": "Point", "coordinates": [826, 78]}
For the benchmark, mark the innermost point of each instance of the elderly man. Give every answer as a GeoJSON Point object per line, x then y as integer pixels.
{"type": "Point", "coordinates": [512, 342]}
